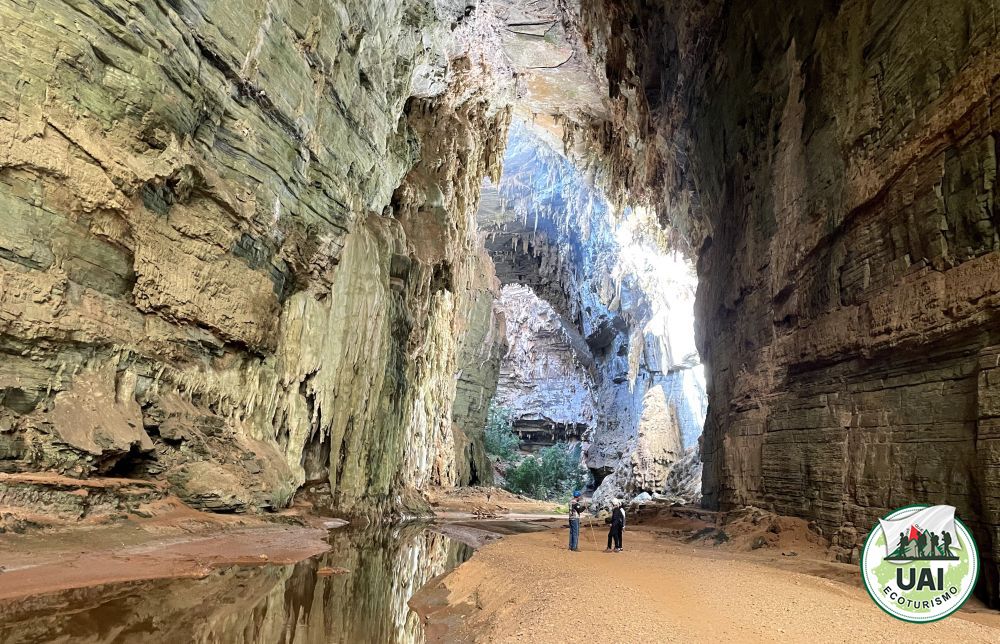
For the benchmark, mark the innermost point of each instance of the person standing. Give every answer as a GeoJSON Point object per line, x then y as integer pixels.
{"type": "Point", "coordinates": [576, 509]}
{"type": "Point", "coordinates": [904, 543]}
{"type": "Point", "coordinates": [946, 544]}
{"type": "Point", "coordinates": [617, 526]}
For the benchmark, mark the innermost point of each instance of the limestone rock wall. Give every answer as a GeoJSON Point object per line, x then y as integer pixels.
{"type": "Point", "coordinates": [655, 55]}
{"type": "Point", "coordinates": [841, 198]}
{"type": "Point", "coordinates": [463, 135]}
{"type": "Point", "coordinates": [833, 168]}
{"type": "Point", "coordinates": [849, 297]}
{"type": "Point", "coordinates": [543, 380]}
{"type": "Point", "coordinates": [481, 352]}
{"type": "Point", "coordinates": [214, 257]}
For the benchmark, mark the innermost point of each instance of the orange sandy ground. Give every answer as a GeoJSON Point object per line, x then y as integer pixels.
{"type": "Point", "coordinates": [530, 588]}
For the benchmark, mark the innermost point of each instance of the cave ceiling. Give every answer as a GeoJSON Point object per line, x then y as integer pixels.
{"type": "Point", "coordinates": [556, 78]}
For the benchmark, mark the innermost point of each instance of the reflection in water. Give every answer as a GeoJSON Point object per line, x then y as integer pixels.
{"type": "Point", "coordinates": [256, 605]}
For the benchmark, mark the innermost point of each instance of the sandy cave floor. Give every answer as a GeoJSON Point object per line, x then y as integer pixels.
{"type": "Point", "coordinates": [485, 502]}
{"type": "Point", "coordinates": [771, 580]}
{"type": "Point", "coordinates": [530, 588]}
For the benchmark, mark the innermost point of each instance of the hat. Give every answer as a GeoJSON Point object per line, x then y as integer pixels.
{"type": "Point", "coordinates": [576, 494]}
{"type": "Point", "coordinates": [615, 503]}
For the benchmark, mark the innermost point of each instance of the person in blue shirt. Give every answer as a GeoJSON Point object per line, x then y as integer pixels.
{"type": "Point", "coordinates": [576, 510]}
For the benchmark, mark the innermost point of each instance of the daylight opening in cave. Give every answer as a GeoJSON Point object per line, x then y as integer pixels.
{"type": "Point", "coordinates": [599, 313]}
{"type": "Point", "coordinates": [302, 301]}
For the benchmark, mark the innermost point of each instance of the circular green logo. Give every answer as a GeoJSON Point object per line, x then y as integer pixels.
{"type": "Point", "coordinates": [920, 563]}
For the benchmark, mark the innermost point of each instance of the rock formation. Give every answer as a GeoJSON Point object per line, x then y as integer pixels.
{"type": "Point", "coordinates": [237, 252]}
{"type": "Point", "coordinates": [239, 245]}
{"type": "Point", "coordinates": [858, 286]}
{"type": "Point", "coordinates": [833, 166]}
{"type": "Point", "coordinates": [621, 308]}
{"type": "Point", "coordinates": [543, 382]}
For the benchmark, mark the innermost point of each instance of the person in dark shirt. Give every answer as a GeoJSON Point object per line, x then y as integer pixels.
{"type": "Point", "coordinates": [946, 544]}
{"type": "Point", "coordinates": [921, 544]}
{"type": "Point", "coordinates": [576, 510]}
{"type": "Point", "coordinates": [617, 526]}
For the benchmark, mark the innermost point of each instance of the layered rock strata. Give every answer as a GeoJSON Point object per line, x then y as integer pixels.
{"type": "Point", "coordinates": [833, 166]}
{"type": "Point", "coordinates": [236, 252]}
{"type": "Point", "coordinates": [850, 298]}
{"type": "Point", "coordinates": [543, 382]}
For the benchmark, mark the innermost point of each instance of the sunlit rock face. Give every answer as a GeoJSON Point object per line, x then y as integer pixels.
{"type": "Point", "coordinates": [544, 382]}
{"type": "Point", "coordinates": [626, 303]}
{"type": "Point", "coordinates": [482, 346]}
{"type": "Point", "coordinates": [237, 247]}
{"type": "Point", "coordinates": [558, 82]}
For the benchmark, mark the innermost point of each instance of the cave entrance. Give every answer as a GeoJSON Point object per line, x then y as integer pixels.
{"type": "Point", "coordinates": [600, 324]}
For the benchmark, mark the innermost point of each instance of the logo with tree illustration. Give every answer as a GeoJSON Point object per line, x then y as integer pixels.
{"type": "Point", "coordinates": [920, 563]}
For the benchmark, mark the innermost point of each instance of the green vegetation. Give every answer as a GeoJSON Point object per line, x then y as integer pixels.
{"type": "Point", "coordinates": [500, 437]}
{"type": "Point", "coordinates": [550, 474]}
{"type": "Point", "coordinates": [553, 473]}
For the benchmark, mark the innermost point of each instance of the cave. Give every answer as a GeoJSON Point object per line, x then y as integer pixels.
{"type": "Point", "coordinates": [745, 254]}
{"type": "Point", "coordinates": [598, 312]}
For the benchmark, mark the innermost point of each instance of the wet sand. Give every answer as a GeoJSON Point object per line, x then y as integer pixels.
{"type": "Point", "coordinates": [477, 533]}
{"type": "Point", "coordinates": [485, 502]}
{"type": "Point", "coordinates": [177, 542]}
{"type": "Point", "coordinates": [530, 588]}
